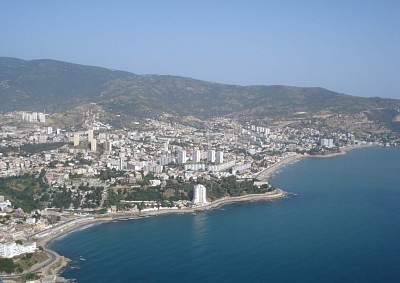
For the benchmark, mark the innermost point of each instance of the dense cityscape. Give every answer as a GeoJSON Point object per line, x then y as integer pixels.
{"type": "Point", "coordinates": [54, 178]}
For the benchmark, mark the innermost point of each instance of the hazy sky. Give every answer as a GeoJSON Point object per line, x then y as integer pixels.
{"type": "Point", "coordinates": [346, 46]}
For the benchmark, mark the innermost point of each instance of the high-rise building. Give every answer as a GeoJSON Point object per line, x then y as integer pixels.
{"type": "Point", "coordinates": [76, 139]}
{"type": "Point", "coordinates": [199, 195]}
{"type": "Point", "coordinates": [93, 145]}
{"type": "Point", "coordinates": [165, 145]}
{"type": "Point", "coordinates": [107, 146]}
{"type": "Point", "coordinates": [182, 156]}
{"type": "Point", "coordinates": [196, 155]}
{"type": "Point", "coordinates": [121, 160]}
{"type": "Point", "coordinates": [90, 135]}
{"type": "Point", "coordinates": [49, 130]}
{"type": "Point", "coordinates": [219, 156]}
{"type": "Point", "coordinates": [327, 143]}
{"type": "Point", "coordinates": [41, 117]}
{"type": "Point", "coordinates": [211, 156]}
{"type": "Point", "coordinates": [29, 117]}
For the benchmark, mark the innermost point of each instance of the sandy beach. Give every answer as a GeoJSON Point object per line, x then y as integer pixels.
{"type": "Point", "coordinates": [267, 173]}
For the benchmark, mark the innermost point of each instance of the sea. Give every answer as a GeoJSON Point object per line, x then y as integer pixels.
{"type": "Point", "coordinates": [340, 223]}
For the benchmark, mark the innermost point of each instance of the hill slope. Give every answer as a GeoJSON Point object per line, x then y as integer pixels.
{"type": "Point", "coordinates": [57, 86]}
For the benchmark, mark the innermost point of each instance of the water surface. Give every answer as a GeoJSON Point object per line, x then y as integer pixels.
{"type": "Point", "coordinates": [342, 226]}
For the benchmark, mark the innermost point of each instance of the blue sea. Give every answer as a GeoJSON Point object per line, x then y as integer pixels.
{"type": "Point", "coordinates": [342, 224]}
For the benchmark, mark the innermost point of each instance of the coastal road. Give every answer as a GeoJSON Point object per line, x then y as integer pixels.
{"type": "Point", "coordinates": [37, 267]}
{"type": "Point", "coordinates": [45, 264]}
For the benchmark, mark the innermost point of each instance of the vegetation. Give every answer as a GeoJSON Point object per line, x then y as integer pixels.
{"type": "Point", "coordinates": [229, 186]}
{"type": "Point", "coordinates": [32, 148]}
{"type": "Point", "coordinates": [29, 276]}
{"type": "Point", "coordinates": [7, 265]}
{"type": "Point", "coordinates": [28, 260]}
{"type": "Point", "coordinates": [174, 190]}
{"type": "Point", "coordinates": [61, 86]}
{"type": "Point", "coordinates": [21, 190]}
{"type": "Point", "coordinates": [110, 173]}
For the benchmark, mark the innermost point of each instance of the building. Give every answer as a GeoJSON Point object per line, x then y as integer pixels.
{"type": "Point", "coordinates": [221, 167]}
{"type": "Point", "coordinates": [34, 116]}
{"type": "Point", "coordinates": [211, 156]}
{"type": "Point", "coordinates": [165, 160]}
{"type": "Point", "coordinates": [199, 195]}
{"type": "Point", "coordinates": [107, 146]}
{"type": "Point", "coordinates": [90, 135]}
{"type": "Point", "coordinates": [328, 143]}
{"type": "Point", "coordinates": [241, 167]}
{"type": "Point", "coordinates": [196, 155]}
{"type": "Point", "coordinates": [49, 130]}
{"type": "Point", "coordinates": [121, 160]}
{"type": "Point", "coordinates": [4, 204]}
{"type": "Point", "coordinates": [76, 139]}
{"type": "Point", "coordinates": [182, 156]}
{"type": "Point", "coordinates": [93, 145]}
{"type": "Point", "coordinates": [41, 117]}
{"type": "Point", "coordinates": [219, 156]}
{"type": "Point", "coordinates": [195, 166]}
{"type": "Point", "coordinates": [10, 250]}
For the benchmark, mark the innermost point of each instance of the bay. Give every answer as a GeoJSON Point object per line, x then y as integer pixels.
{"type": "Point", "coordinates": [342, 225]}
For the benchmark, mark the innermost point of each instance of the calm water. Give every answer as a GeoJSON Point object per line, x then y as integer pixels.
{"type": "Point", "coordinates": [342, 226]}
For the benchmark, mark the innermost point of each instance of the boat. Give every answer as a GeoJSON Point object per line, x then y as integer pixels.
{"type": "Point", "coordinates": [194, 213]}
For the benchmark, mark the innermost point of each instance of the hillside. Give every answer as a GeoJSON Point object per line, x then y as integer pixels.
{"type": "Point", "coordinates": [58, 86]}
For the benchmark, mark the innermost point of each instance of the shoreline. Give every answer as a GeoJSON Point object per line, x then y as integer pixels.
{"type": "Point", "coordinates": [265, 175]}
{"type": "Point", "coordinates": [54, 257]}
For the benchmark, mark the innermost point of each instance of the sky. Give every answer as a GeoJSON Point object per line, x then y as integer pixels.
{"type": "Point", "coordinates": [351, 47]}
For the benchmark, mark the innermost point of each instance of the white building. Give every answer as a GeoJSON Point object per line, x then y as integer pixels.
{"type": "Point", "coordinates": [34, 116]}
{"type": "Point", "coordinates": [195, 166]}
{"type": "Point", "coordinates": [107, 146]}
{"type": "Point", "coordinates": [49, 130]}
{"type": "Point", "coordinates": [241, 167]}
{"type": "Point", "coordinates": [196, 155]}
{"type": "Point", "coordinates": [221, 167]}
{"type": "Point", "coordinates": [4, 204]}
{"type": "Point", "coordinates": [165, 160]}
{"type": "Point", "coordinates": [211, 156]}
{"type": "Point", "coordinates": [93, 145]}
{"type": "Point", "coordinates": [182, 156]}
{"type": "Point", "coordinates": [199, 195]}
{"type": "Point", "coordinates": [41, 117]}
{"type": "Point", "coordinates": [90, 135]}
{"type": "Point", "coordinates": [219, 156]}
{"type": "Point", "coordinates": [327, 143]}
{"type": "Point", "coordinates": [76, 139]}
{"type": "Point", "coordinates": [10, 250]}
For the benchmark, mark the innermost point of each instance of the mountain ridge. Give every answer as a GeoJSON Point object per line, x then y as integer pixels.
{"type": "Point", "coordinates": [57, 86]}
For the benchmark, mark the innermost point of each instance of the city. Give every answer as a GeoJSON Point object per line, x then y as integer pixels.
{"type": "Point", "coordinates": [99, 171]}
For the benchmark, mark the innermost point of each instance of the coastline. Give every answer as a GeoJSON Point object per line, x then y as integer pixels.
{"type": "Point", "coordinates": [54, 257]}
{"type": "Point", "coordinates": [83, 223]}
{"type": "Point", "coordinates": [343, 151]}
